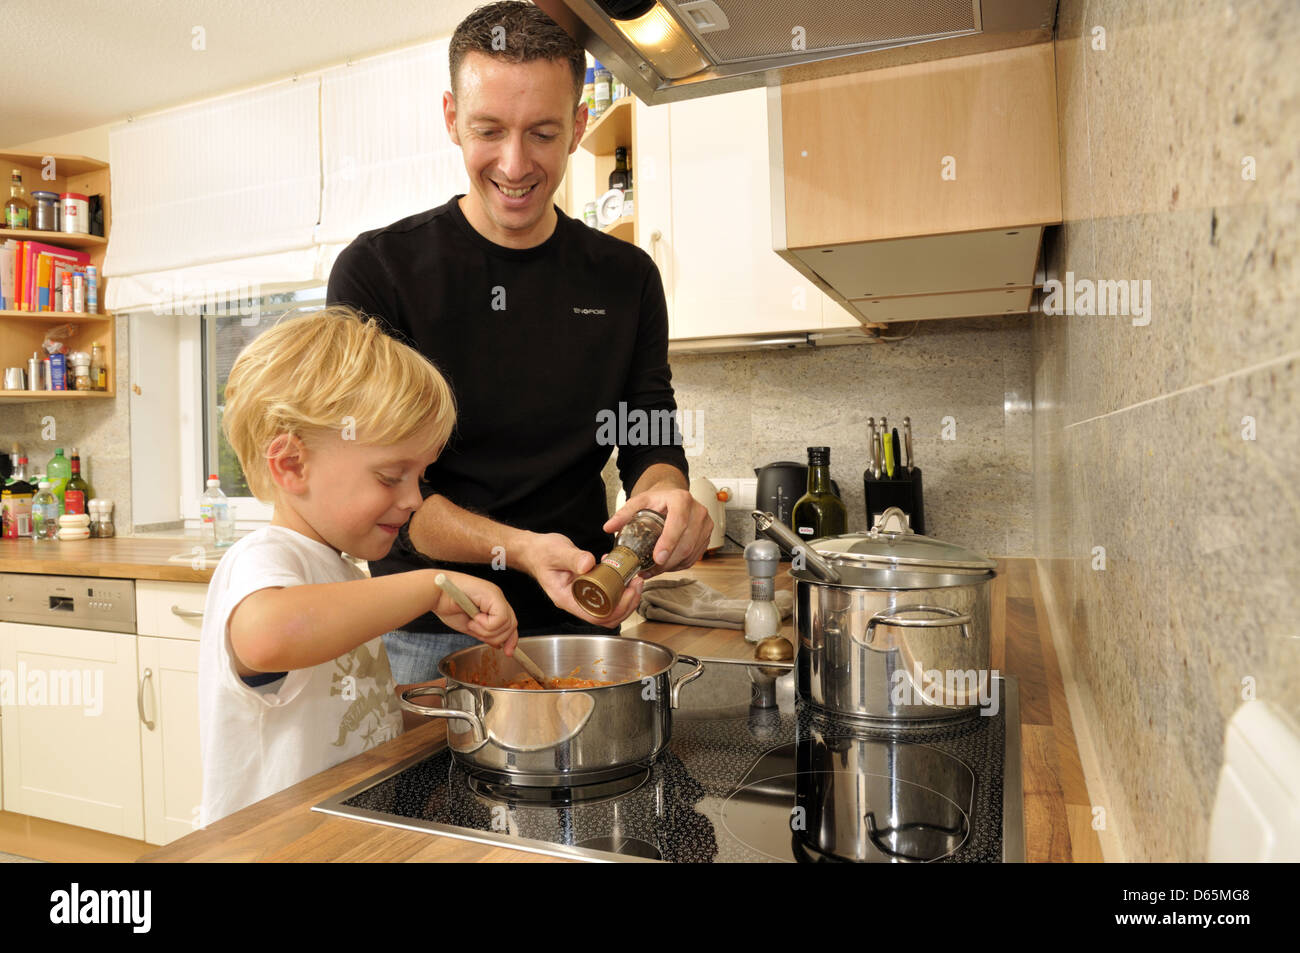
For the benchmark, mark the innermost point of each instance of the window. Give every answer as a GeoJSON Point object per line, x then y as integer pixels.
{"type": "Point", "coordinates": [225, 335]}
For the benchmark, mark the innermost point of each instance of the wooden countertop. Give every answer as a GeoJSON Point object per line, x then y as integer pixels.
{"type": "Point", "coordinates": [1057, 813]}
{"type": "Point", "coordinates": [122, 557]}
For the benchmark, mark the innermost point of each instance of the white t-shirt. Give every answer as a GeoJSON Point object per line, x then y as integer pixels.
{"type": "Point", "coordinates": [257, 741]}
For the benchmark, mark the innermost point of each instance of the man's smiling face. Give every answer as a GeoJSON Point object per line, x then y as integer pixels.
{"type": "Point", "coordinates": [516, 126]}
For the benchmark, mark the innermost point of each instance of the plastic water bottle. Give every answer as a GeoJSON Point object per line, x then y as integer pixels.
{"type": "Point", "coordinates": [212, 507]}
{"type": "Point", "coordinates": [45, 513]}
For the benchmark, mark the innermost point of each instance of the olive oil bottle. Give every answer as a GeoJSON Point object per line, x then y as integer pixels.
{"type": "Point", "coordinates": [819, 512]}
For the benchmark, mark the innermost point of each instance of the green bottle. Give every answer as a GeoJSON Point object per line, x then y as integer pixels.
{"type": "Point", "coordinates": [59, 472]}
{"type": "Point", "coordinates": [819, 512]}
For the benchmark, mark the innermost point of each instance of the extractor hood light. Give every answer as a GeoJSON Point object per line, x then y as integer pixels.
{"type": "Point", "coordinates": [662, 41]}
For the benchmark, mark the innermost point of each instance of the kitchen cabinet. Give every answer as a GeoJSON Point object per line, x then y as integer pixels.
{"type": "Point", "coordinates": [112, 742]}
{"type": "Point", "coordinates": [168, 673]}
{"type": "Point", "coordinates": [920, 191]}
{"type": "Point", "coordinates": [169, 618]}
{"type": "Point", "coordinates": [727, 280]}
{"type": "Point", "coordinates": [71, 741]}
{"type": "Point", "coordinates": [21, 332]}
{"type": "Point", "coordinates": [703, 213]}
{"type": "Point", "coordinates": [652, 181]}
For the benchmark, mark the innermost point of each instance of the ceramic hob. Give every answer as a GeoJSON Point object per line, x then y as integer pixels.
{"type": "Point", "coordinates": [741, 783]}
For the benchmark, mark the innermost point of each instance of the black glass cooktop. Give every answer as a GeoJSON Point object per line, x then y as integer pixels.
{"type": "Point", "coordinates": [744, 784]}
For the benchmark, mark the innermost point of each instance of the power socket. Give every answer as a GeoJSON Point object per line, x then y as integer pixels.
{"type": "Point", "coordinates": [741, 491]}
{"type": "Point", "coordinates": [730, 484]}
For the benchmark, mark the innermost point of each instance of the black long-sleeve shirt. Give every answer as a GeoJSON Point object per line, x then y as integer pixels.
{"type": "Point", "coordinates": [550, 351]}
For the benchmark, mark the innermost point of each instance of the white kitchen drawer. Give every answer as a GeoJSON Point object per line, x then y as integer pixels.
{"type": "Point", "coordinates": [171, 610]}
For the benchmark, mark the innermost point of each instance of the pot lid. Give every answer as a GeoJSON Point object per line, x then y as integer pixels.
{"type": "Point", "coordinates": [890, 544]}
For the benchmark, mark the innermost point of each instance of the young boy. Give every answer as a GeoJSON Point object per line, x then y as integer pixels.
{"type": "Point", "coordinates": [333, 422]}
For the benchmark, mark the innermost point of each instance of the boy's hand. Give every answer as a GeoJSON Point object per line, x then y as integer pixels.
{"type": "Point", "coordinates": [495, 623]}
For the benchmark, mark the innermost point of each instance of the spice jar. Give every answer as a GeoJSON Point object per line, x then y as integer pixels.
{"type": "Point", "coordinates": [598, 591]}
{"type": "Point", "coordinates": [104, 525]}
{"type": "Point", "coordinates": [79, 364]}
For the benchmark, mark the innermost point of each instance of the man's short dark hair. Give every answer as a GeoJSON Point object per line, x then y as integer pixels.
{"type": "Point", "coordinates": [516, 32]}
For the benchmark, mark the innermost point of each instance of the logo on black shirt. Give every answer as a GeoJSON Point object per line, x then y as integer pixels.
{"type": "Point", "coordinates": [588, 310]}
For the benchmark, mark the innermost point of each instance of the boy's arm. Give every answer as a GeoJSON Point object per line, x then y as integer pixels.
{"type": "Point", "coordinates": [282, 629]}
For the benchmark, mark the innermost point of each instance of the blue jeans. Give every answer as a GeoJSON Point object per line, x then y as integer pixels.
{"type": "Point", "coordinates": [414, 656]}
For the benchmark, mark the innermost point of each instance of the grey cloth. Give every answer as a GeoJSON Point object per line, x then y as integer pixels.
{"type": "Point", "coordinates": [688, 602]}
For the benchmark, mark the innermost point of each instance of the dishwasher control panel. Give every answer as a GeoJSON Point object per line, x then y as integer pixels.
{"type": "Point", "coordinates": [78, 602]}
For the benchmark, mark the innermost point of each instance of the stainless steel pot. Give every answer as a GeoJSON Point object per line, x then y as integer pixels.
{"type": "Point", "coordinates": [559, 737]}
{"type": "Point", "coordinates": [870, 799]}
{"type": "Point", "coordinates": [901, 637]}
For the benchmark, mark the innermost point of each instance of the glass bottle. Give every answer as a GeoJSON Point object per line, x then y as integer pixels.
{"type": "Point", "coordinates": [45, 513]}
{"type": "Point", "coordinates": [77, 492]}
{"type": "Point", "coordinates": [620, 178]}
{"type": "Point", "coordinates": [819, 512]}
{"type": "Point", "coordinates": [598, 591]}
{"type": "Point", "coordinates": [17, 209]}
{"type": "Point", "coordinates": [98, 372]}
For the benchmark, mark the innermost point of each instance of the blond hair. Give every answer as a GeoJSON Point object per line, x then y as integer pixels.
{"type": "Point", "coordinates": [331, 371]}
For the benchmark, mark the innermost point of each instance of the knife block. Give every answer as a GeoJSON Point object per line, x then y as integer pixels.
{"type": "Point", "coordinates": [903, 491]}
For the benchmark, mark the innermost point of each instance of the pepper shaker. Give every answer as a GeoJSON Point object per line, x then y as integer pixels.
{"type": "Point", "coordinates": [598, 591]}
{"type": "Point", "coordinates": [762, 617]}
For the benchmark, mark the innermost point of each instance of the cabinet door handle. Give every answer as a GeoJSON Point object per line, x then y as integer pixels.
{"type": "Point", "coordinates": [139, 699]}
{"type": "Point", "coordinates": [186, 613]}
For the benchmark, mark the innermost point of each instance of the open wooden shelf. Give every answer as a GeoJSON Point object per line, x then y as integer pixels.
{"type": "Point", "coordinates": [611, 130]}
{"type": "Point", "coordinates": [64, 166]}
{"type": "Point", "coordinates": [22, 332]}
{"type": "Point", "coordinates": [70, 239]}
{"type": "Point", "coordinates": [622, 228]}
{"type": "Point", "coordinates": [30, 395]}
{"type": "Point", "coordinates": [55, 317]}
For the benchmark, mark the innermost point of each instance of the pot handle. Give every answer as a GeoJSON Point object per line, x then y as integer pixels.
{"type": "Point", "coordinates": [951, 617]}
{"type": "Point", "coordinates": [476, 726]}
{"type": "Point", "coordinates": [690, 676]}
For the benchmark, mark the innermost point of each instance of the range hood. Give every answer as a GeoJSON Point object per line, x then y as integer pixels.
{"type": "Point", "coordinates": [667, 50]}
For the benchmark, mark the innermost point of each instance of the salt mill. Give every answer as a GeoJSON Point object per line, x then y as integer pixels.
{"type": "Point", "coordinates": [762, 617]}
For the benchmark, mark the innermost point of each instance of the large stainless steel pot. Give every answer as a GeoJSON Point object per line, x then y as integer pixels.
{"type": "Point", "coordinates": [900, 637]}
{"type": "Point", "coordinates": [558, 737]}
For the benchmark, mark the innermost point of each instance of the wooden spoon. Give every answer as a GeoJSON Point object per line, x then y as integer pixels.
{"type": "Point", "coordinates": [471, 610]}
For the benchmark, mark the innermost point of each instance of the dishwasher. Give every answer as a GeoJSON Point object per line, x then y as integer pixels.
{"type": "Point", "coordinates": [79, 602]}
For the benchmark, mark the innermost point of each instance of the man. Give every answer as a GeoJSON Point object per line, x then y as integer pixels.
{"type": "Point", "coordinates": [544, 327]}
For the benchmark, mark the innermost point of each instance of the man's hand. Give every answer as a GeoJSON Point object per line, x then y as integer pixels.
{"type": "Point", "coordinates": [687, 526]}
{"type": "Point", "coordinates": [555, 562]}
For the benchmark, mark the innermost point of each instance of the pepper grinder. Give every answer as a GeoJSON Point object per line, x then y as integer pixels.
{"type": "Point", "coordinates": [599, 590]}
{"type": "Point", "coordinates": [762, 617]}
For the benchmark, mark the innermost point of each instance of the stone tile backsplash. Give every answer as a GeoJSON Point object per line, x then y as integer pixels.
{"type": "Point", "coordinates": [1171, 448]}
